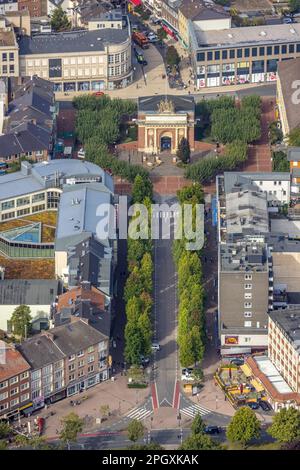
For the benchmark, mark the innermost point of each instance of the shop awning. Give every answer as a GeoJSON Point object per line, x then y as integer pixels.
{"type": "Point", "coordinates": [257, 385]}
{"type": "Point", "coordinates": [137, 3]}
{"type": "Point", "coordinates": [246, 369]}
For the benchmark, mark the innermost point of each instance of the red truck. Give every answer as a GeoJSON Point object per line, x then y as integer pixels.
{"type": "Point", "coordinates": [140, 39]}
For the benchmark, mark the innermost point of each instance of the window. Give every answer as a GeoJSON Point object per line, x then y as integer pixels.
{"type": "Point", "coordinates": [71, 377]}
{"type": "Point", "coordinates": [4, 406]}
{"type": "Point", "coordinates": [224, 55]}
{"type": "Point", "coordinates": [11, 68]}
{"type": "Point", "coordinates": [90, 359]}
{"type": "Point", "coordinates": [209, 55]}
{"type": "Point", "coordinates": [80, 353]}
{"type": "Point", "coordinates": [81, 363]}
{"type": "Point", "coordinates": [261, 51]}
{"type": "Point", "coordinates": [3, 384]}
{"type": "Point", "coordinates": [80, 373]}
{"type": "Point", "coordinates": [247, 52]}
{"type": "Point", "coordinates": [248, 277]}
{"type": "Point", "coordinates": [3, 396]}
{"type": "Point", "coordinates": [4, 69]}
{"type": "Point", "coordinates": [25, 375]}
{"type": "Point", "coordinates": [291, 48]}
{"type": "Point", "coordinates": [91, 368]}
{"type": "Point", "coordinates": [14, 380]}
{"type": "Point", "coordinates": [14, 391]}
{"type": "Point", "coordinates": [91, 349]}
{"type": "Point", "coordinates": [247, 295]}
{"type": "Point", "coordinates": [71, 367]}
{"type": "Point", "coordinates": [248, 304]}
{"type": "Point", "coordinates": [200, 57]}
{"type": "Point", "coordinates": [72, 357]}
{"type": "Point", "coordinates": [247, 314]}
{"type": "Point", "coordinates": [257, 324]}
{"type": "Point", "coordinates": [283, 49]}
{"type": "Point", "coordinates": [298, 47]}
{"type": "Point", "coordinates": [7, 205]}
{"type": "Point", "coordinates": [276, 50]}
{"type": "Point", "coordinates": [269, 50]}
{"type": "Point", "coordinates": [232, 53]}
{"type": "Point", "coordinates": [254, 51]}
{"type": "Point", "coordinates": [25, 397]}
{"type": "Point", "coordinates": [14, 402]}
{"type": "Point", "coordinates": [24, 386]}
{"type": "Point", "coordinates": [217, 55]}
{"type": "Point", "coordinates": [247, 324]}
{"type": "Point", "coordinates": [38, 197]}
{"type": "Point", "coordinates": [23, 201]}
{"type": "Point", "coordinates": [4, 57]}
{"type": "Point", "coordinates": [247, 286]}
{"type": "Point", "coordinates": [240, 53]}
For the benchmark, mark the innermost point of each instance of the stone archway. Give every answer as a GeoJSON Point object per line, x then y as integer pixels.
{"type": "Point", "coordinates": [166, 141]}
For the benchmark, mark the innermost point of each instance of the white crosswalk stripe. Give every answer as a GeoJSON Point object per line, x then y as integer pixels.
{"type": "Point", "coordinates": [139, 413]}
{"type": "Point", "coordinates": [192, 410]}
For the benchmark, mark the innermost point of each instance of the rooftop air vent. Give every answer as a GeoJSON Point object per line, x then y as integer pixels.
{"type": "Point", "coordinates": [263, 33]}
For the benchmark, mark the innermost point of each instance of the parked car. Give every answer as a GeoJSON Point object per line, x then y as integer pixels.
{"type": "Point", "coordinates": [238, 361]}
{"type": "Point", "coordinates": [98, 93]}
{"type": "Point", "coordinates": [253, 405]}
{"type": "Point", "coordinates": [212, 430]}
{"type": "Point", "coordinates": [152, 37]}
{"type": "Point", "coordinates": [145, 360]}
{"type": "Point", "coordinates": [265, 406]}
{"type": "Point", "coordinates": [155, 347]}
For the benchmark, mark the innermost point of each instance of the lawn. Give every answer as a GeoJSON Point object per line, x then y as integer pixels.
{"type": "Point", "coordinates": [28, 268]}
{"type": "Point", "coordinates": [47, 218]}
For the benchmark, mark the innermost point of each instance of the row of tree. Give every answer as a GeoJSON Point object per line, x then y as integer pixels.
{"type": "Point", "coordinates": [191, 318]}
{"type": "Point", "coordinates": [205, 170]}
{"type": "Point", "coordinates": [139, 284]}
{"type": "Point", "coordinates": [98, 125]}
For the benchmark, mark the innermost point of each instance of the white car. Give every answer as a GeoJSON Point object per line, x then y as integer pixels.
{"type": "Point", "coordinates": [155, 347]}
{"type": "Point", "coordinates": [152, 37]}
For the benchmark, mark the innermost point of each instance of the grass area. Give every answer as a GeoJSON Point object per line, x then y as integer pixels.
{"type": "Point", "coordinates": [47, 218]}
{"type": "Point", "coordinates": [28, 268]}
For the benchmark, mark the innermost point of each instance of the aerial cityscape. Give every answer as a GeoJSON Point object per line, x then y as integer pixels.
{"type": "Point", "coordinates": [149, 226]}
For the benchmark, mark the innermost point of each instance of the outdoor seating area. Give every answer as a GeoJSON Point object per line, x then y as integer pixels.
{"type": "Point", "coordinates": [239, 386]}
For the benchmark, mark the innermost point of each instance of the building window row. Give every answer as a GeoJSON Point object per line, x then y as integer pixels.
{"type": "Point", "coordinates": [238, 53]}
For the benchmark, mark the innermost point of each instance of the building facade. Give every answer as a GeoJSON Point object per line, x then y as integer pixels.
{"type": "Point", "coordinates": [15, 389]}
{"type": "Point", "coordinates": [244, 297]}
{"type": "Point", "coordinates": [284, 345]}
{"type": "Point", "coordinates": [164, 121]}
{"type": "Point", "coordinates": [7, 6]}
{"type": "Point", "coordinates": [36, 8]}
{"type": "Point", "coordinates": [78, 61]}
{"type": "Point", "coordinates": [9, 51]}
{"type": "Point", "coordinates": [241, 55]}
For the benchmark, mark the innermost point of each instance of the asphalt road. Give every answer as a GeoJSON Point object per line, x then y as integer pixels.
{"type": "Point", "coordinates": [165, 315]}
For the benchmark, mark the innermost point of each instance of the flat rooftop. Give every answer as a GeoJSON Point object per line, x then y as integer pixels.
{"type": "Point", "coordinates": [293, 153]}
{"type": "Point", "coordinates": [289, 322]}
{"type": "Point", "coordinates": [243, 257]}
{"type": "Point", "coordinates": [254, 35]}
{"type": "Point", "coordinates": [71, 42]}
{"type": "Point", "coordinates": [237, 178]}
{"type": "Point", "coordinates": [289, 227]}
{"type": "Point", "coordinates": [269, 370]}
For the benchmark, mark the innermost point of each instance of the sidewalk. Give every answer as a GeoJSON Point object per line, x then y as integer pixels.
{"type": "Point", "coordinates": [115, 394]}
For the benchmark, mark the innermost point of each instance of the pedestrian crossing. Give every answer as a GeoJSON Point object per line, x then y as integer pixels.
{"type": "Point", "coordinates": [139, 413]}
{"type": "Point", "coordinates": [193, 410]}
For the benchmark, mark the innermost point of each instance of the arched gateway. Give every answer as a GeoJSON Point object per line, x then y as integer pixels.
{"type": "Point", "coordinates": [163, 121]}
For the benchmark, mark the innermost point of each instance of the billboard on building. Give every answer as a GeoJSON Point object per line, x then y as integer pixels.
{"type": "Point", "coordinates": [231, 340]}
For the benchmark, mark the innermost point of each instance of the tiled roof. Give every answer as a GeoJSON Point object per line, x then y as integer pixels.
{"type": "Point", "coordinates": [14, 363]}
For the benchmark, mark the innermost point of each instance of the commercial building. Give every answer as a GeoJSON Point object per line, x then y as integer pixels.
{"type": "Point", "coordinates": [241, 55]}
{"type": "Point", "coordinates": [39, 295]}
{"type": "Point", "coordinates": [284, 344]}
{"type": "Point", "coordinates": [288, 95]}
{"type": "Point", "coordinates": [80, 60]}
{"type": "Point", "coordinates": [164, 121]}
{"type": "Point", "coordinates": [36, 8]}
{"type": "Point", "coordinates": [15, 387]}
{"type": "Point", "coordinates": [244, 296]}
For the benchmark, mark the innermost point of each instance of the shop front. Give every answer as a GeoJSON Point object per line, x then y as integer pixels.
{"type": "Point", "coordinates": [86, 383]}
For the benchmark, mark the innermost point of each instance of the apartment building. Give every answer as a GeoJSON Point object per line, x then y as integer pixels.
{"type": "Point", "coordinates": [15, 389]}
{"type": "Point", "coordinates": [284, 345]}
{"type": "Point", "coordinates": [65, 360]}
{"type": "Point", "coordinates": [80, 60]}
{"type": "Point", "coordinates": [9, 51]}
{"type": "Point", "coordinates": [241, 55]}
{"type": "Point", "coordinates": [169, 13]}
{"type": "Point", "coordinates": [7, 6]}
{"type": "Point", "coordinates": [288, 95]}
{"type": "Point", "coordinates": [245, 296]}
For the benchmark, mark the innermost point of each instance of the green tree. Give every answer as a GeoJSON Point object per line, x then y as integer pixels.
{"type": "Point", "coordinates": [21, 321]}
{"type": "Point", "coordinates": [294, 137]}
{"type": "Point", "coordinates": [280, 162]}
{"type": "Point", "coordinates": [286, 425]}
{"type": "Point", "coordinates": [184, 151]}
{"type": "Point", "coordinates": [5, 429]}
{"type": "Point", "coordinates": [133, 343]}
{"type": "Point", "coordinates": [135, 430]}
{"type": "Point", "coordinates": [199, 442]}
{"type": "Point", "coordinates": [244, 426]}
{"type": "Point", "coordinates": [3, 445]}
{"type": "Point", "coordinates": [147, 271]}
{"type": "Point", "coordinates": [294, 6]}
{"type": "Point", "coordinates": [142, 188]}
{"type": "Point", "coordinates": [72, 425]}
{"type": "Point", "coordinates": [59, 20]}
{"type": "Point", "coordinates": [198, 425]}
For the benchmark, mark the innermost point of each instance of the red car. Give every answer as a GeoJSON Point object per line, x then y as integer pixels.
{"type": "Point", "coordinates": [98, 93]}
